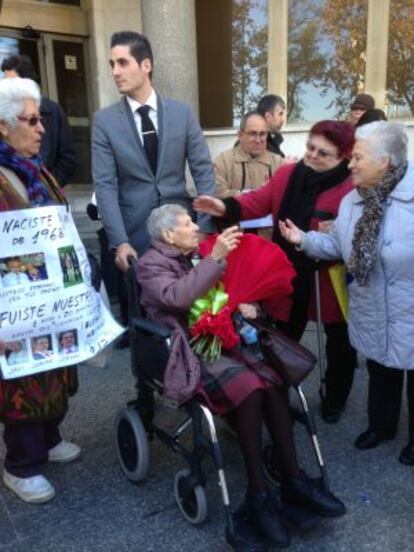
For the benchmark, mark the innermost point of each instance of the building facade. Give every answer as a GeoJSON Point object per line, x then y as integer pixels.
{"type": "Point", "coordinates": [221, 55]}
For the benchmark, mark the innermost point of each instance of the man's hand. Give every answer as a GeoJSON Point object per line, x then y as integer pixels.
{"type": "Point", "coordinates": [248, 310]}
{"type": "Point", "coordinates": [226, 242]}
{"type": "Point", "coordinates": [210, 205]}
{"type": "Point", "coordinates": [290, 232]}
{"type": "Point", "coordinates": [123, 252]}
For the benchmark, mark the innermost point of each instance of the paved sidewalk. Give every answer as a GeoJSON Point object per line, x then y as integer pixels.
{"type": "Point", "coordinates": [97, 510]}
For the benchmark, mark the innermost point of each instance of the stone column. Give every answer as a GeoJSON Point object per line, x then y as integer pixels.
{"type": "Point", "coordinates": [377, 50]}
{"type": "Point", "coordinates": [277, 67]}
{"type": "Point", "coordinates": [106, 18]}
{"type": "Point", "coordinates": [170, 26]}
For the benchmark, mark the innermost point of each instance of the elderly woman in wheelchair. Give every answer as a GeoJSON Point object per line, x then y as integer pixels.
{"type": "Point", "coordinates": [238, 386]}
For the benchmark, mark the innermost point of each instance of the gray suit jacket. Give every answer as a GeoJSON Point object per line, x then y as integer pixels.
{"type": "Point", "coordinates": [126, 189]}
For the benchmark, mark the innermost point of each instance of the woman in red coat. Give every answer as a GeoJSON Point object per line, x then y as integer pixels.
{"type": "Point", "coordinates": [308, 193]}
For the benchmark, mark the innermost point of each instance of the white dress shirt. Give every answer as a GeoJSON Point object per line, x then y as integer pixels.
{"type": "Point", "coordinates": [152, 102]}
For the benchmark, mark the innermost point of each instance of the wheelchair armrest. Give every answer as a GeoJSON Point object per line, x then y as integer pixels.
{"type": "Point", "coordinates": [151, 327]}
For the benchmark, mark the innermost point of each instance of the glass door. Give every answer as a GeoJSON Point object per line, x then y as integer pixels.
{"type": "Point", "coordinates": [14, 43]}
{"type": "Point", "coordinates": [60, 63]}
{"type": "Point", "coordinates": [67, 82]}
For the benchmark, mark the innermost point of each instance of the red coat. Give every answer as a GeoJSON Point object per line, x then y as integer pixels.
{"type": "Point", "coordinates": [268, 199]}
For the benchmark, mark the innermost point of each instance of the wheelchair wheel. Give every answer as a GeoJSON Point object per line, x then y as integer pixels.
{"type": "Point", "coordinates": [191, 499]}
{"type": "Point", "coordinates": [132, 445]}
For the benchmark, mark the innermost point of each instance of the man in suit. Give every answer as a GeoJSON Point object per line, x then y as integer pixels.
{"type": "Point", "coordinates": [67, 342]}
{"type": "Point", "coordinates": [140, 147]}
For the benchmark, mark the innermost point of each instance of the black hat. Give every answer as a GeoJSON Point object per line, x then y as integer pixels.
{"type": "Point", "coordinates": [363, 101]}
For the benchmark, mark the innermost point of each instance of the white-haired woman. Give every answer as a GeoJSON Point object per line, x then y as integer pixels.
{"type": "Point", "coordinates": [237, 386]}
{"type": "Point", "coordinates": [32, 407]}
{"type": "Point", "coordinates": [374, 235]}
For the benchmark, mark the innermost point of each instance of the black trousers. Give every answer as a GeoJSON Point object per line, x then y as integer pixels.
{"type": "Point", "coordinates": [28, 444]}
{"type": "Point", "coordinates": [385, 396]}
{"type": "Point", "coordinates": [341, 357]}
{"type": "Point", "coordinates": [112, 276]}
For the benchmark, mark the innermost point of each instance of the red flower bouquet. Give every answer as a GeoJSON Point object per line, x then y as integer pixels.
{"type": "Point", "coordinates": [256, 271]}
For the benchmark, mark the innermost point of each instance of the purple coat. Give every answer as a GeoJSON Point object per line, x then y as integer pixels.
{"type": "Point", "coordinates": [169, 286]}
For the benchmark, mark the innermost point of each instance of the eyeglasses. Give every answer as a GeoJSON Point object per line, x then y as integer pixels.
{"type": "Point", "coordinates": [254, 134]}
{"type": "Point", "coordinates": [321, 152]}
{"type": "Point", "coordinates": [31, 121]}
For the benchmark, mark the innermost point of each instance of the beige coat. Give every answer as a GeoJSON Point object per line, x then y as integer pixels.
{"type": "Point", "coordinates": [236, 170]}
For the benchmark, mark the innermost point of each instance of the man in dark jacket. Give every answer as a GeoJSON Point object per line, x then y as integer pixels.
{"type": "Point", "coordinates": [57, 149]}
{"type": "Point", "coordinates": [273, 109]}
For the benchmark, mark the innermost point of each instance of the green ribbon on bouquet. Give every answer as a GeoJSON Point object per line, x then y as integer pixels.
{"type": "Point", "coordinates": [213, 301]}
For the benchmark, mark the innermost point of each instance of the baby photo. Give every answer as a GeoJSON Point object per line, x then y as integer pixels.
{"type": "Point", "coordinates": [16, 352]}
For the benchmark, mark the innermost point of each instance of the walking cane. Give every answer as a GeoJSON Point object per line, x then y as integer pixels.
{"type": "Point", "coordinates": [319, 329]}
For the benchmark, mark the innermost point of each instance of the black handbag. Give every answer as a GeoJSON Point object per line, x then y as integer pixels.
{"type": "Point", "coordinates": [292, 361]}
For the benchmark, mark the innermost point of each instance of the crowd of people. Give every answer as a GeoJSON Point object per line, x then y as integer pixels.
{"type": "Point", "coordinates": [349, 198]}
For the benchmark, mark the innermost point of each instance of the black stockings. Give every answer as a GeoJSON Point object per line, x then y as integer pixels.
{"type": "Point", "coordinates": [279, 424]}
{"type": "Point", "coordinates": [247, 420]}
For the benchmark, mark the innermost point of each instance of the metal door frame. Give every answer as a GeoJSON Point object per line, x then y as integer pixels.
{"type": "Point", "coordinates": [47, 43]}
{"type": "Point", "coordinates": [18, 34]}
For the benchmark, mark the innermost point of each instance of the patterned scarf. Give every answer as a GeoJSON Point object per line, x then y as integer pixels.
{"type": "Point", "coordinates": [364, 242]}
{"type": "Point", "coordinates": [29, 172]}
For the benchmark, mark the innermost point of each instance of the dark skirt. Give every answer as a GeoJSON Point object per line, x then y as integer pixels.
{"type": "Point", "coordinates": [226, 383]}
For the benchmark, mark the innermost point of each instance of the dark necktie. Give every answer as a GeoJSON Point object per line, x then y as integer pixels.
{"type": "Point", "coordinates": [149, 136]}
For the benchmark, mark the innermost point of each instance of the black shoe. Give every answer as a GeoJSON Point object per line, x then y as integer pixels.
{"type": "Point", "coordinates": [329, 414]}
{"type": "Point", "coordinates": [303, 491]}
{"type": "Point", "coordinates": [299, 517]}
{"type": "Point", "coordinates": [265, 518]}
{"type": "Point", "coordinates": [123, 343]}
{"type": "Point", "coordinates": [245, 537]}
{"type": "Point", "coordinates": [407, 454]}
{"type": "Point", "coordinates": [371, 439]}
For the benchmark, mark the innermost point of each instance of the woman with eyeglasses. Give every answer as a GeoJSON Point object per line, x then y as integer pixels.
{"type": "Point", "coordinates": [308, 193]}
{"type": "Point", "coordinates": [31, 407]}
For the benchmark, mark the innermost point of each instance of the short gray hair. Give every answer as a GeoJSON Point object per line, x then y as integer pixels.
{"type": "Point", "coordinates": [164, 218]}
{"type": "Point", "coordinates": [385, 140]}
{"type": "Point", "coordinates": [249, 115]}
{"type": "Point", "coordinates": [13, 92]}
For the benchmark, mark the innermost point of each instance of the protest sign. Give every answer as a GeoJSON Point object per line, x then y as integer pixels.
{"type": "Point", "coordinates": [50, 314]}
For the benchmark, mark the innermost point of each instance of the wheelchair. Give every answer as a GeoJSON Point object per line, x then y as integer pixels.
{"type": "Point", "coordinates": [135, 426]}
